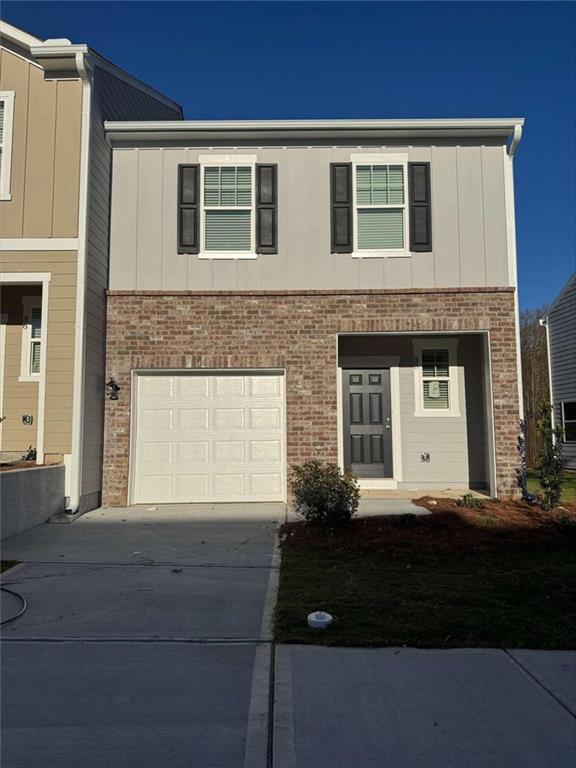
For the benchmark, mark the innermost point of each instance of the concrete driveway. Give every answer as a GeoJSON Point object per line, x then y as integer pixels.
{"type": "Point", "coordinates": [146, 640]}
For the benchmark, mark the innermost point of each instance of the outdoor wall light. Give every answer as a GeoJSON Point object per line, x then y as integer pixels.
{"type": "Point", "coordinates": [112, 390]}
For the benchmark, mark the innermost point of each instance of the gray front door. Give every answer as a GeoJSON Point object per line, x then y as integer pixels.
{"type": "Point", "coordinates": [367, 422]}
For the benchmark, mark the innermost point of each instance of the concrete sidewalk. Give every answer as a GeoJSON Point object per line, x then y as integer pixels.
{"type": "Point", "coordinates": [409, 708]}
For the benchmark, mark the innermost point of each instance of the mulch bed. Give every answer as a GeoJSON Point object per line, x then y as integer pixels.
{"type": "Point", "coordinates": [449, 528]}
{"type": "Point", "coordinates": [20, 465]}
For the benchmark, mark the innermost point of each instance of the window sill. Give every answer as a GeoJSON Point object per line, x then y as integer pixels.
{"type": "Point", "coordinates": [380, 254]}
{"type": "Point", "coordinates": [231, 255]}
{"type": "Point", "coordinates": [437, 414]}
{"type": "Point", "coordinates": [6, 196]}
{"type": "Point", "coordinates": [29, 377]}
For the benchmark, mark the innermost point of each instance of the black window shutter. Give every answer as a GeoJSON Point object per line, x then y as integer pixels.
{"type": "Point", "coordinates": [341, 207]}
{"type": "Point", "coordinates": [420, 207]}
{"type": "Point", "coordinates": [266, 209]}
{"type": "Point", "coordinates": [188, 208]}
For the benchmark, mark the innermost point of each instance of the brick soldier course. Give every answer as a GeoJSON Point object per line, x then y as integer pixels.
{"type": "Point", "coordinates": [297, 331]}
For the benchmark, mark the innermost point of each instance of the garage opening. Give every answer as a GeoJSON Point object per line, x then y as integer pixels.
{"type": "Point", "coordinates": [208, 436]}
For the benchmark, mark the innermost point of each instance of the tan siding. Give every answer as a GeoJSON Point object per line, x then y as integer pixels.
{"type": "Point", "coordinates": [67, 160]}
{"type": "Point", "coordinates": [45, 152]}
{"type": "Point", "coordinates": [468, 223]}
{"type": "Point", "coordinates": [22, 397]}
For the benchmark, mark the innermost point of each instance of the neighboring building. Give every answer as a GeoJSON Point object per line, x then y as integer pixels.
{"type": "Point", "coordinates": [561, 335]}
{"type": "Point", "coordinates": [282, 291]}
{"type": "Point", "coordinates": [54, 221]}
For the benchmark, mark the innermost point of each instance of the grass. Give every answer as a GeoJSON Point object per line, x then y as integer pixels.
{"type": "Point", "coordinates": [5, 564]}
{"type": "Point", "coordinates": [568, 489]}
{"type": "Point", "coordinates": [457, 579]}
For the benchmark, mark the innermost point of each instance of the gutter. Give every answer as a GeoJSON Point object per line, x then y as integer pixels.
{"type": "Point", "coordinates": [80, 329]}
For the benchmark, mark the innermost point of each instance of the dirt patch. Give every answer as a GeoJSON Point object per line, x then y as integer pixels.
{"type": "Point", "coordinates": [20, 465]}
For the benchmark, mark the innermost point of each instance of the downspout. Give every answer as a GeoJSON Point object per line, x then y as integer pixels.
{"type": "Point", "coordinates": [511, 225]}
{"type": "Point", "coordinates": [73, 505]}
{"type": "Point", "coordinates": [544, 323]}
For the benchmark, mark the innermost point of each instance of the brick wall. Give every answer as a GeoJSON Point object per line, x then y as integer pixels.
{"type": "Point", "coordinates": [296, 331]}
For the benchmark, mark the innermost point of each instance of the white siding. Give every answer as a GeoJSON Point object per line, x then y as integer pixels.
{"type": "Point", "coordinates": [468, 224]}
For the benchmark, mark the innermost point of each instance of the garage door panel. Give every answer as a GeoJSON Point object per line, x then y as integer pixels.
{"type": "Point", "coordinates": [219, 438]}
{"type": "Point", "coordinates": [196, 452]}
{"type": "Point", "coordinates": [192, 418]}
{"type": "Point", "coordinates": [228, 418]}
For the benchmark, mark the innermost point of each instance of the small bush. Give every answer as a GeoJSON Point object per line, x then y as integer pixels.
{"type": "Point", "coordinates": [470, 501]}
{"type": "Point", "coordinates": [406, 520]}
{"type": "Point", "coordinates": [550, 463]}
{"type": "Point", "coordinates": [324, 494]}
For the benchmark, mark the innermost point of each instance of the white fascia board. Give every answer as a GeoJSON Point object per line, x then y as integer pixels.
{"type": "Point", "coordinates": [15, 35]}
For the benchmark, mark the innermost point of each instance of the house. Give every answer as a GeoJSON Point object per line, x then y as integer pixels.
{"type": "Point", "coordinates": [561, 337]}
{"type": "Point", "coordinates": [54, 221]}
{"type": "Point", "coordinates": [288, 290]}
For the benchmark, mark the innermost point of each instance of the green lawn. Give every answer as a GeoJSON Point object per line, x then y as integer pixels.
{"type": "Point", "coordinates": [568, 490]}
{"type": "Point", "coordinates": [425, 586]}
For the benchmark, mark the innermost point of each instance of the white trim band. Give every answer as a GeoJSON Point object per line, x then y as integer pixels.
{"type": "Point", "coordinates": [39, 244]}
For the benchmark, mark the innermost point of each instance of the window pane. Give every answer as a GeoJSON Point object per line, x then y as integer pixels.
{"type": "Point", "coordinates": [395, 184]}
{"type": "Point", "coordinates": [436, 395]}
{"type": "Point", "coordinates": [363, 184]}
{"type": "Point", "coordinates": [1, 121]}
{"type": "Point", "coordinates": [569, 411]}
{"type": "Point", "coordinates": [36, 321]}
{"type": "Point", "coordinates": [570, 432]}
{"type": "Point", "coordinates": [228, 230]}
{"type": "Point", "coordinates": [380, 184]}
{"type": "Point", "coordinates": [228, 186]}
{"type": "Point", "coordinates": [35, 357]}
{"type": "Point", "coordinates": [435, 362]}
{"type": "Point", "coordinates": [380, 229]}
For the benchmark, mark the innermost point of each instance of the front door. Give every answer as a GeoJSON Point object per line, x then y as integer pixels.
{"type": "Point", "coordinates": [367, 422]}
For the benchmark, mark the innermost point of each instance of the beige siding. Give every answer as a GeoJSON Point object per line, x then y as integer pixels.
{"type": "Point", "coordinates": [45, 152]}
{"type": "Point", "coordinates": [468, 212]}
{"type": "Point", "coordinates": [22, 397]}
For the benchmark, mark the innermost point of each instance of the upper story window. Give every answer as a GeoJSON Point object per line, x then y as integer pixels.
{"type": "Point", "coordinates": [436, 378]}
{"type": "Point", "coordinates": [380, 205]}
{"type": "Point", "coordinates": [569, 421]}
{"type": "Point", "coordinates": [31, 338]}
{"type": "Point", "coordinates": [228, 209]}
{"type": "Point", "coordinates": [380, 208]}
{"type": "Point", "coordinates": [6, 124]}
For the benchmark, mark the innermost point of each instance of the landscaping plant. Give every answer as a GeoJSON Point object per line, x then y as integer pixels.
{"type": "Point", "coordinates": [550, 464]}
{"type": "Point", "coordinates": [470, 501]}
{"type": "Point", "coordinates": [324, 494]}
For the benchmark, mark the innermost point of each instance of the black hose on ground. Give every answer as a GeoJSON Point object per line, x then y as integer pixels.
{"type": "Point", "coordinates": [22, 610]}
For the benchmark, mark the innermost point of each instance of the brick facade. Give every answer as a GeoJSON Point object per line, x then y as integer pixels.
{"type": "Point", "coordinates": [296, 331]}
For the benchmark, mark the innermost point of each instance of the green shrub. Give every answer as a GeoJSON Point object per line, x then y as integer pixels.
{"type": "Point", "coordinates": [323, 493]}
{"type": "Point", "coordinates": [470, 501]}
{"type": "Point", "coordinates": [550, 463]}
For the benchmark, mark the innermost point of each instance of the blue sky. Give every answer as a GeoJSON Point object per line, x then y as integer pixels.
{"type": "Point", "coordinates": [374, 59]}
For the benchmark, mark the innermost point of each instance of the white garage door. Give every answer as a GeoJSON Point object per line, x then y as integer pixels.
{"type": "Point", "coordinates": [209, 438]}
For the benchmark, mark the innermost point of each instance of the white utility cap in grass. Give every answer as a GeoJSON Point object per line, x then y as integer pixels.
{"type": "Point", "coordinates": [319, 620]}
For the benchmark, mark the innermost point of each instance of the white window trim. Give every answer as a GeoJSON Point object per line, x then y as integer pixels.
{"type": "Point", "coordinates": [453, 394]}
{"type": "Point", "coordinates": [29, 303]}
{"type": "Point", "coordinates": [568, 442]}
{"type": "Point", "coordinates": [5, 175]}
{"type": "Point", "coordinates": [380, 159]}
{"type": "Point", "coordinates": [211, 161]}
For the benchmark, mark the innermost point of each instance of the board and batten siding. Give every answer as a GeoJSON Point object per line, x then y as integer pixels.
{"type": "Point", "coordinates": [456, 444]}
{"type": "Point", "coordinates": [562, 335]}
{"type": "Point", "coordinates": [113, 99]}
{"type": "Point", "coordinates": [468, 224]}
{"type": "Point", "coordinates": [45, 173]}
